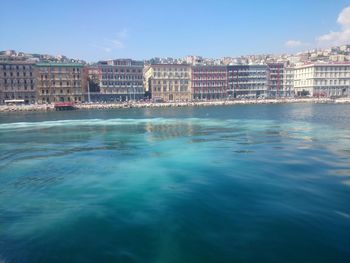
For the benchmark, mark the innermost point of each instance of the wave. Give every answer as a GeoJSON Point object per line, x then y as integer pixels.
{"type": "Point", "coordinates": [119, 121]}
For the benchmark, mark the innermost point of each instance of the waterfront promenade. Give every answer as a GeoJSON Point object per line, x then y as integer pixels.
{"type": "Point", "coordinates": [133, 104]}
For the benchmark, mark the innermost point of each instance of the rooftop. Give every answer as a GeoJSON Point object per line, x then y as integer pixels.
{"type": "Point", "coordinates": [54, 64]}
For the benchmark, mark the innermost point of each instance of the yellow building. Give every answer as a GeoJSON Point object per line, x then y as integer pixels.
{"type": "Point", "coordinates": [168, 82]}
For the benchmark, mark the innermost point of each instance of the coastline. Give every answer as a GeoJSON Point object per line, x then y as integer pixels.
{"type": "Point", "coordinates": [50, 107]}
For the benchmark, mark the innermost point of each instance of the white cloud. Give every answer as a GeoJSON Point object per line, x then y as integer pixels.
{"type": "Point", "coordinates": [108, 45]}
{"type": "Point", "coordinates": [118, 42]}
{"type": "Point", "coordinates": [336, 38]}
{"type": "Point", "coordinates": [293, 43]}
{"type": "Point", "coordinates": [344, 17]}
{"type": "Point", "coordinates": [123, 34]}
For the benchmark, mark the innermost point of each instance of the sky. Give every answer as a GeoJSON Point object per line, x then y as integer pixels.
{"type": "Point", "coordinates": [95, 30]}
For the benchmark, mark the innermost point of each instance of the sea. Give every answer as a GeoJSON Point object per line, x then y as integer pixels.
{"type": "Point", "coordinates": [243, 183]}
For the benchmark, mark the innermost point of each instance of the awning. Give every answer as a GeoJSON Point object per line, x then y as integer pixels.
{"type": "Point", "coordinates": [14, 101]}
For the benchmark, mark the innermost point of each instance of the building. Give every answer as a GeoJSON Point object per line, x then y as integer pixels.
{"type": "Point", "coordinates": [194, 60]}
{"type": "Point", "coordinates": [168, 82]}
{"type": "Point", "coordinates": [17, 82]}
{"type": "Point", "coordinates": [275, 79]}
{"type": "Point", "coordinates": [247, 81]}
{"type": "Point", "coordinates": [322, 80]}
{"type": "Point", "coordinates": [288, 84]}
{"type": "Point", "coordinates": [209, 82]}
{"type": "Point", "coordinates": [94, 76]}
{"type": "Point", "coordinates": [337, 58]}
{"type": "Point", "coordinates": [121, 80]}
{"type": "Point", "coordinates": [60, 82]}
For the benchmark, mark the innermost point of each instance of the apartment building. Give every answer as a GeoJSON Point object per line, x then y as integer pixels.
{"type": "Point", "coordinates": [168, 82]}
{"type": "Point", "coordinates": [275, 79]}
{"type": "Point", "coordinates": [17, 82]}
{"type": "Point", "coordinates": [60, 82]}
{"type": "Point", "coordinates": [322, 80]}
{"type": "Point", "coordinates": [288, 82]}
{"type": "Point", "coordinates": [120, 80]}
{"type": "Point", "coordinates": [247, 81]}
{"type": "Point", "coordinates": [209, 82]}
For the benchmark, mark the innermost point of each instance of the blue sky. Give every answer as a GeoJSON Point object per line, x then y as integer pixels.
{"type": "Point", "coordinates": [94, 30]}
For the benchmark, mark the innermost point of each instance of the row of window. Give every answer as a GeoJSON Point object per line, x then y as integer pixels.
{"type": "Point", "coordinates": [122, 90]}
{"type": "Point", "coordinates": [209, 91]}
{"type": "Point", "coordinates": [24, 74]}
{"type": "Point", "coordinates": [172, 88]}
{"type": "Point", "coordinates": [19, 88]}
{"type": "Point", "coordinates": [181, 81]}
{"type": "Point", "coordinates": [324, 68]}
{"type": "Point", "coordinates": [332, 82]}
{"type": "Point", "coordinates": [60, 76]}
{"type": "Point", "coordinates": [60, 83]}
{"type": "Point", "coordinates": [131, 77]}
{"type": "Point", "coordinates": [210, 77]}
{"type": "Point", "coordinates": [18, 81]}
{"type": "Point", "coordinates": [116, 70]}
{"type": "Point", "coordinates": [118, 83]}
{"type": "Point", "coordinates": [170, 74]}
{"type": "Point", "coordinates": [16, 67]}
{"type": "Point", "coordinates": [322, 82]}
{"type": "Point", "coordinates": [245, 71]}
{"type": "Point", "coordinates": [209, 73]}
{"type": "Point", "coordinates": [61, 91]}
{"type": "Point", "coordinates": [208, 84]}
{"type": "Point", "coordinates": [248, 82]}
{"type": "Point", "coordinates": [19, 96]}
{"type": "Point", "coordinates": [333, 75]}
{"type": "Point", "coordinates": [59, 69]}
{"type": "Point", "coordinates": [250, 87]}
{"type": "Point", "coordinates": [182, 69]}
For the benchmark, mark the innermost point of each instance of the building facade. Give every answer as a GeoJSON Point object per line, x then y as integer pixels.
{"type": "Point", "coordinates": [209, 82]}
{"type": "Point", "coordinates": [60, 82]}
{"type": "Point", "coordinates": [168, 82]}
{"type": "Point", "coordinates": [120, 80]}
{"type": "Point", "coordinates": [322, 80]}
{"type": "Point", "coordinates": [94, 75]}
{"type": "Point", "coordinates": [275, 80]}
{"type": "Point", "coordinates": [288, 82]}
{"type": "Point", "coordinates": [17, 82]}
{"type": "Point", "coordinates": [247, 81]}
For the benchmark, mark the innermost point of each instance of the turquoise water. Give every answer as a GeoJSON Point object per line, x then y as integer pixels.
{"type": "Point", "coordinates": [259, 183]}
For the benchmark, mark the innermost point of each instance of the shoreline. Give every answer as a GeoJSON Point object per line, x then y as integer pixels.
{"type": "Point", "coordinates": [103, 106]}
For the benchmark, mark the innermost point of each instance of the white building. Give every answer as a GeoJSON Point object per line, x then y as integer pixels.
{"type": "Point", "coordinates": [324, 80]}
